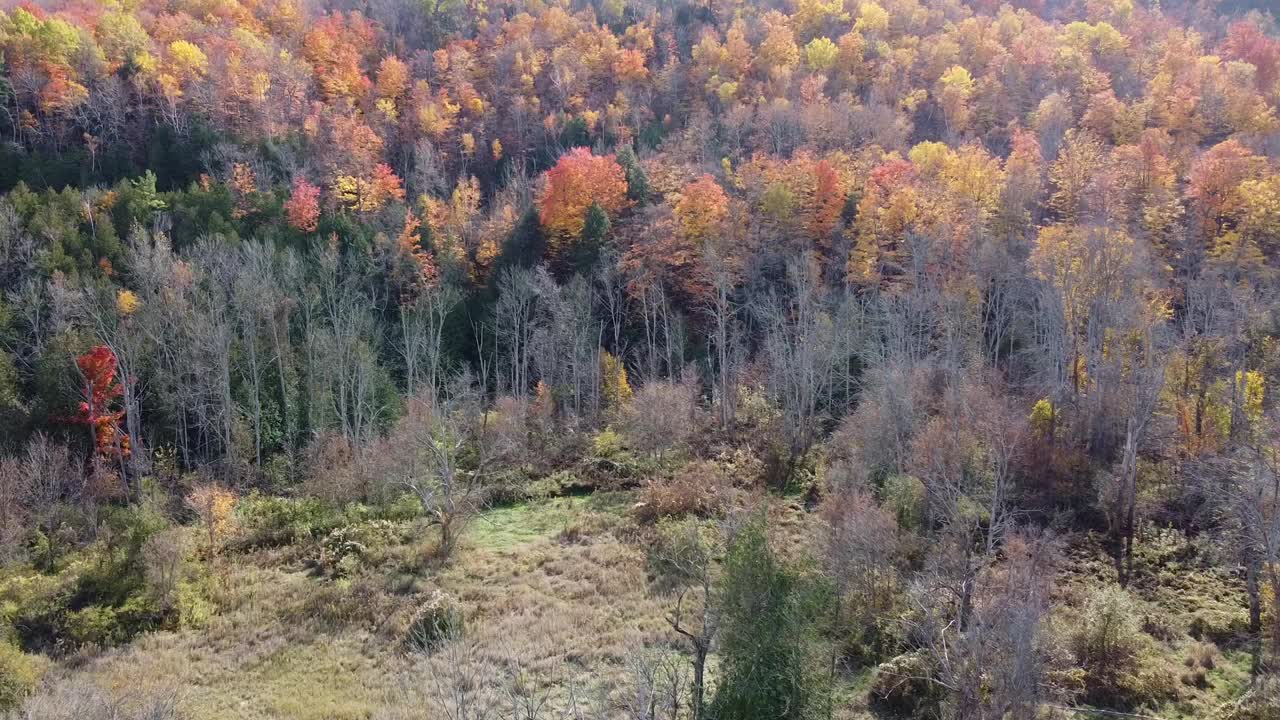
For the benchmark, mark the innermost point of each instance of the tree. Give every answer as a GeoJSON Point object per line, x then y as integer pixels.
{"type": "Point", "coordinates": [578, 181]}
{"type": "Point", "coordinates": [768, 633]}
{"type": "Point", "coordinates": [700, 209]}
{"type": "Point", "coordinates": [955, 88]}
{"type": "Point", "coordinates": [1244, 494]}
{"type": "Point", "coordinates": [367, 194]}
{"type": "Point", "coordinates": [422, 347]}
{"type": "Point", "coordinates": [801, 351]}
{"type": "Point", "coordinates": [999, 663]}
{"type": "Point", "coordinates": [99, 391]}
{"type": "Point", "coordinates": [859, 549]}
{"type": "Point", "coordinates": [442, 450]}
{"type": "Point", "coordinates": [638, 189]}
{"type": "Point", "coordinates": [685, 555]}
{"type": "Point", "coordinates": [303, 206]}
{"type": "Point", "coordinates": [595, 233]}
{"type": "Point", "coordinates": [821, 54]}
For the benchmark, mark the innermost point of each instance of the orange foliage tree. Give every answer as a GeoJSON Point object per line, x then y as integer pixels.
{"type": "Point", "coordinates": [578, 180]}
{"type": "Point", "coordinates": [303, 206]}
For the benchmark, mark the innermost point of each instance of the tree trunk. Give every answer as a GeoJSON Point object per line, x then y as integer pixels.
{"type": "Point", "coordinates": [699, 675]}
{"type": "Point", "coordinates": [1255, 614]}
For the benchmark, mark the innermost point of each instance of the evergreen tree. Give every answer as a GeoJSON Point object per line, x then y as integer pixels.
{"type": "Point", "coordinates": [638, 189]}
{"type": "Point", "coordinates": [769, 637]}
{"type": "Point", "coordinates": [595, 231]}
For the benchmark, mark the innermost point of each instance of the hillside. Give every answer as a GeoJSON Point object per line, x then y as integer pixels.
{"type": "Point", "coordinates": [660, 360]}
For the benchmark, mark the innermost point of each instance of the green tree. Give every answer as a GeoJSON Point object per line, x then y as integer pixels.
{"type": "Point", "coordinates": [595, 231]}
{"type": "Point", "coordinates": [770, 658]}
{"type": "Point", "coordinates": [638, 189]}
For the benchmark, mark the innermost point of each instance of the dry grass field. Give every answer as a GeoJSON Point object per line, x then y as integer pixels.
{"type": "Point", "coordinates": [560, 612]}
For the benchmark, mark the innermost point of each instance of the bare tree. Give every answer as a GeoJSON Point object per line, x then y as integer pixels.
{"type": "Point", "coordinates": [859, 547]}
{"type": "Point", "coordinates": [801, 350]}
{"type": "Point", "coordinates": [688, 562]}
{"type": "Point", "coordinates": [442, 450]}
{"type": "Point", "coordinates": [49, 479]}
{"type": "Point", "coordinates": [722, 310]}
{"type": "Point", "coordinates": [996, 664]}
{"type": "Point", "coordinates": [514, 326]}
{"type": "Point", "coordinates": [1245, 492]}
{"type": "Point", "coordinates": [422, 337]}
{"type": "Point", "coordinates": [458, 689]}
{"type": "Point", "coordinates": [663, 415]}
{"type": "Point", "coordinates": [13, 513]}
{"type": "Point", "coordinates": [256, 302]}
{"type": "Point", "coordinates": [656, 687]}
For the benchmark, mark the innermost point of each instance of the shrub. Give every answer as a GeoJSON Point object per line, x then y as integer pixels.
{"type": "Point", "coordinates": [661, 417]}
{"type": "Point", "coordinates": [215, 506]}
{"type": "Point", "coordinates": [1122, 669]}
{"type": "Point", "coordinates": [405, 506]}
{"type": "Point", "coordinates": [1203, 655]}
{"type": "Point", "coordinates": [93, 626]}
{"type": "Point", "coordinates": [699, 488]}
{"type": "Point", "coordinates": [902, 686]}
{"type": "Point", "coordinates": [163, 555]}
{"type": "Point", "coordinates": [107, 626]}
{"type": "Point", "coordinates": [557, 484]}
{"type": "Point", "coordinates": [437, 620]}
{"type": "Point", "coordinates": [680, 550]}
{"type": "Point", "coordinates": [19, 675]}
{"type": "Point", "coordinates": [1219, 624]}
{"type": "Point", "coordinates": [193, 603]}
{"type": "Point", "coordinates": [344, 549]}
{"type": "Point", "coordinates": [34, 607]}
{"type": "Point", "coordinates": [1108, 641]}
{"type": "Point", "coordinates": [904, 496]}
{"type": "Point", "coordinates": [82, 701]}
{"type": "Point", "coordinates": [606, 444]}
{"type": "Point", "coordinates": [333, 605]}
{"type": "Point", "coordinates": [266, 520]}
{"type": "Point", "coordinates": [329, 471]}
{"type": "Point", "coordinates": [1161, 625]}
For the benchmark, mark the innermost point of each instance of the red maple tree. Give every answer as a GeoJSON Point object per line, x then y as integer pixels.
{"type": "Point", "coordinates": [100, 390]}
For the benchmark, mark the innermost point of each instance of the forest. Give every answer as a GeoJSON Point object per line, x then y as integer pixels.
{"type": "Point", "coordinates": [639, 359]}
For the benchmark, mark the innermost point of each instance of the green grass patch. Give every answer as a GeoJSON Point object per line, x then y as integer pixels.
{"type": "Point", "coordinates": [510, 526]}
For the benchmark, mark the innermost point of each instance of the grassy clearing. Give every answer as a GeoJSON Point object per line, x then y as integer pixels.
{"type": "Point", "coordinates": [562, 585]}
{"type": "Point", "coordinates": [511, 526]}
{"type": "Point", "coordinates": [250, 662]}
{"type": "Point", "coordinates": [545, 581]}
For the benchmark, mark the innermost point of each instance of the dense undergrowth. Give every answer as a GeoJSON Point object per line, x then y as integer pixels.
{"type": "Point", "coordinates": [1174, 643]}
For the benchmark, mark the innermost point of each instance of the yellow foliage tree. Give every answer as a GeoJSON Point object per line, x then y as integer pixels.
{"type": "Point", "coordinates": [615, 389]}
{"type": "Point", "coordinates": [215, 506]}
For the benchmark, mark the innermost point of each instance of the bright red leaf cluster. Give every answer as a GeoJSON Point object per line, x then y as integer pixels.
{"type": "Point", "coordinates": [100, 391]}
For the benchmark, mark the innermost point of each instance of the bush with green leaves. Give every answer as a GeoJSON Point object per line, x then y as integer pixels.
{"type": "Point", "coordinates": [268, 520]}
{"type": "Point", "coordinates": [904, 496]}
{"type": "Point", "coordinates": [103, 597]}
{"type": "Point", "coordinates": [770, 657]}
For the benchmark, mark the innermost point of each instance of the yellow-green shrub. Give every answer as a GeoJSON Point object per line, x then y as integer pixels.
{"type": "Point", "coordinates": [19, 675]}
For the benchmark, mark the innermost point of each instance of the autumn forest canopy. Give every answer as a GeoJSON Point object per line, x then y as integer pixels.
{"type": "Point", "coordinates": [833, 358]}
